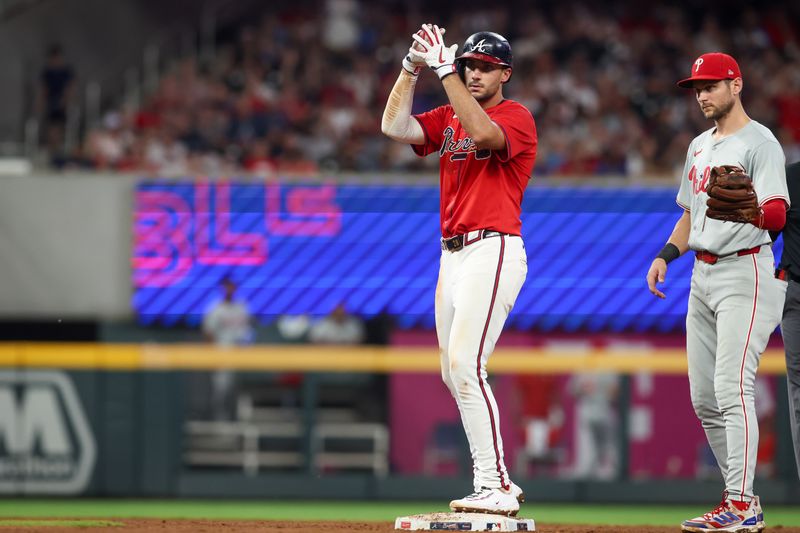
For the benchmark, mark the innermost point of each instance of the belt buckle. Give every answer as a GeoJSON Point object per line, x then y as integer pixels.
{"type": "Point", "coordinates": [707, 257]}
{"type": "Point", "coordinates": [453, 244]}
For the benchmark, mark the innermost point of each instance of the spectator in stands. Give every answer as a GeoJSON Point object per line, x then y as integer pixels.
{"type": "Point", "coordinates": [227, 323]}
{"type": "Point", "coordinates": [56, 85]}
{"type": "Point", "coordinates": [316, 109]}
{"type": "Point", "coordinates": [339, 327]}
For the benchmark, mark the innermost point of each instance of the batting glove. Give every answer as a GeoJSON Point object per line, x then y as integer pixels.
{"type": "Point", "coordinates": [434, 52]}
{"type": "Point", "coordinates": [413, 64]}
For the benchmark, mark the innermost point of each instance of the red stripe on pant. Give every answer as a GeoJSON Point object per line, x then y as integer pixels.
{"type": "Point", "coordinates": [503, 482]}
{"type": "Point", "coordinates": [741, 378]}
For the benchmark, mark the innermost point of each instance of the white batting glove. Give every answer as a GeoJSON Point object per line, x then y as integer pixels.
{"type": "Point", "coordinates": [434, 52]}
{"type": "Point", "coordinates": [413, 64]}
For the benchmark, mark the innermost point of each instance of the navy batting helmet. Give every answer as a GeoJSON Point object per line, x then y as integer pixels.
{"type": "Point", "coordinates": [485, 46]}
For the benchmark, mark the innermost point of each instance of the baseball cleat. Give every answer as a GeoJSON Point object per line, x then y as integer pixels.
{"type": "Point", "coordinates": [516, 491]}
{"type": "Point", "coordinates": [491, 501]}
{"type": "Point", "coordinates": [729, 516]}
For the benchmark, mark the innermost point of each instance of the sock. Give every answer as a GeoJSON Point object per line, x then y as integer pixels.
{"type": "Point", "coordinates": [742, 506]}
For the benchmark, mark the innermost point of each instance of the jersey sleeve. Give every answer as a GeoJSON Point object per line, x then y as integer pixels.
{"type": "Point", "coordinates": [519, 130]}
{"type": "Point", "coordinates": [684, 198]}
{"type": "Point", "coordinates": [768, 170]}
{"type": "Point", "coordinates": [433, 123]}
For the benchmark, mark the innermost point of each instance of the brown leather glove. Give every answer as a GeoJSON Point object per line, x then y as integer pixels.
{"type": "Point", "coordinates": [731, 196]}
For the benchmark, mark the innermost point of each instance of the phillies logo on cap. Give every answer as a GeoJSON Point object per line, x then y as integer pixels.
{"type": "Point", "coordinates": [697, 64]}
{"type": "Point", "coordinates": [712, 67]}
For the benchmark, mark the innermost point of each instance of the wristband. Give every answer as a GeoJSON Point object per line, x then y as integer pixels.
{"type": "Point", "coordinates": [445, 70]}
{"type": "Point", "coordinates": [410, 66]}
{"type": "Point", "coordinates": [669, 253]}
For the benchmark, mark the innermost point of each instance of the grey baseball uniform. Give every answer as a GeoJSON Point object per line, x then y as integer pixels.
{"type": "Point", "coordinates": [735, 301]}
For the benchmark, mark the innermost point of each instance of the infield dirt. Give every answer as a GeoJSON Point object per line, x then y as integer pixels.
{"type": "Point", "coordinates": [250, 526]}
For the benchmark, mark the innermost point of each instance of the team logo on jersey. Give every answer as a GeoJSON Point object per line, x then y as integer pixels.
{"type": "Point", "coordinates": [460, 148]}
{"type": "Point", "coordinates": [480, 46]}
{"type": "Point", "coordinates": [699, 182]}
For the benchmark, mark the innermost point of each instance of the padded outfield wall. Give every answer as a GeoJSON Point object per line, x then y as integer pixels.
{"type": "Point", "coordinates": [107, 420]}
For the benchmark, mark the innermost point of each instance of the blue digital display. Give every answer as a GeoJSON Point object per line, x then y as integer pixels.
{"type": "Point", "coordinates": [303, 249]}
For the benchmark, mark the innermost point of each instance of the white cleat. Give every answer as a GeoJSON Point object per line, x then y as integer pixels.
{"type": "Point", "coordinates": [516, 491]}
{"type": "Point", "coordinates": [491, 501]}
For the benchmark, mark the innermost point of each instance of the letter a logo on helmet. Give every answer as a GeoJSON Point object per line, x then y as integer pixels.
{"type": "Point", "coordinates": [479, 47]}
{"type": "Point", "coordinates": [485, 46]}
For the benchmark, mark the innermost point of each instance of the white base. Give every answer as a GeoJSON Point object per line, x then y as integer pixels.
{"type": "Point", "coordinates": [463, 522]}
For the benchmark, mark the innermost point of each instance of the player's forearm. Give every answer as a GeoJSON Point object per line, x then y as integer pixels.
{"type": "Point", "coordinates": [773, 216]}
{"type": "Point", "coordinates": [483, 132]}
{"type": "Point", "coordinates": [397, 122]}
{"type": "Point", "coordinates": [680, 234]}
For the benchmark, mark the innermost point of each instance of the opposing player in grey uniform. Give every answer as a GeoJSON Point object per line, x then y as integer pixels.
{"type": "Point", "coordinates": [735, 301]}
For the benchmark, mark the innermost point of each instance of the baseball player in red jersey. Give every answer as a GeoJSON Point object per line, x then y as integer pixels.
{"type": "Point", "coordinates": [487, 147]}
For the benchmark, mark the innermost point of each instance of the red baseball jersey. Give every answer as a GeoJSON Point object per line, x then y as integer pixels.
{"type": "Point", "coordinates": [480, 189]}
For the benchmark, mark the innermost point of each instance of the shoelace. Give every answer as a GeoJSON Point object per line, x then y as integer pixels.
{"type": "Point", "coordinates": [723, 506]}
{"type": "Point", "coordinates": [477, 494]}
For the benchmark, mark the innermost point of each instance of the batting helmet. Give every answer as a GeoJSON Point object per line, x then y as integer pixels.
{"type": "Point", "coordinates": [485, 46]}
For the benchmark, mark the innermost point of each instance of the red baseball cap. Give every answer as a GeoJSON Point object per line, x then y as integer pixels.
{"type": "Point", "coordinates": [712, 66]}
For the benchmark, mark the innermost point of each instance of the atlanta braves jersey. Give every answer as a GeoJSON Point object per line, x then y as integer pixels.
{"type": "Point", "coordinates": [480, 189]}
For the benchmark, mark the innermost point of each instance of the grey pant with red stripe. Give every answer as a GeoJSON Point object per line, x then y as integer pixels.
{"type": "Point", "coordinates": [790, 328]}
{"type": "Point", "coordinates": [476, 290]}
{"type": "Point", "coordinates": [734, 306]}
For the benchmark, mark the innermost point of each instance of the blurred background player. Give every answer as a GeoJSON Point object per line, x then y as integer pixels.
{"type": "Point", "coordinates": [226, 324]}
{"type": "Point", "coordinates": [487, 148]}
{"type": "Point", "coordinates": [595, 395]}
{"type": "Point", "coordinates": [339, 327]}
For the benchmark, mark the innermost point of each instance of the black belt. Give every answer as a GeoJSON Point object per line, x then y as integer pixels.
{"type": "Point", "coordinates": [454, 244]}
{"type": "Point", "coordinates": [785, 275]}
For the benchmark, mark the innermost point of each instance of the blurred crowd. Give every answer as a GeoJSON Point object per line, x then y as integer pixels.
{"type": "Point", "coordinates": [301, 89]}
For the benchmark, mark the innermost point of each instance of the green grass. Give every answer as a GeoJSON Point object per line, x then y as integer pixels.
{"type": "Point", "coordinates": [59, 523]}
{"type": "Point", "coordinates": [664, 515]}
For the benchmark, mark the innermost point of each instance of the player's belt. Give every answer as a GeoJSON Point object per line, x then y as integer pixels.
{"type": "Point", "coordinates": [454, 244]}
{"type": "Point", "coordinates": [708, 257]}
{"type": "Point", "coordinates": [784, 275]}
